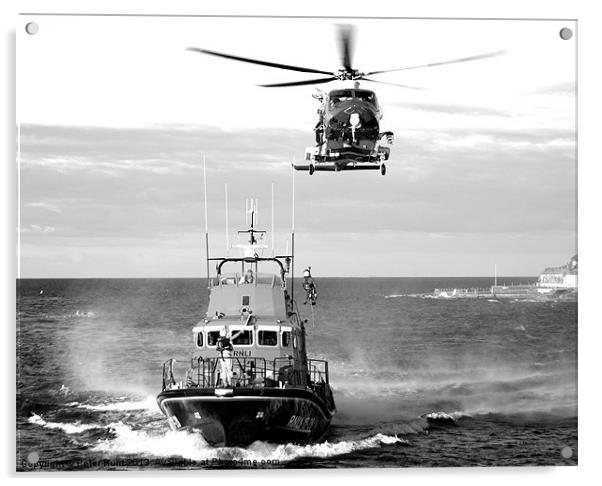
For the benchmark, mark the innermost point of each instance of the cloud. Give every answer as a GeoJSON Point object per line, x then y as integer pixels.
{"type": "Point", "coordinates": [139, 187]}
{"type": "Point", "coordinates": [159, 149]}
{"type": "Point", "coordinates": [34, 228]}
{"type": "Point", "coordinates": [562, 89]}
{"type": "Point", "coordinates": [451, 109]}
{"type": "Point", "coordinates": [43, 205]}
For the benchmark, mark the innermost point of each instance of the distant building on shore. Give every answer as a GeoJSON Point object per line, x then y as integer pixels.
{"type": "Point", "coordinates": [564, 277]}
{"type": "Point", "coordinates": [552, 283]}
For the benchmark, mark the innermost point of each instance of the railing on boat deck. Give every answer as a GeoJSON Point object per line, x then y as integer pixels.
{"type": "Point", "coordinates": [318, 370]}
{"type": "Point", "coordinates": [245, 372]}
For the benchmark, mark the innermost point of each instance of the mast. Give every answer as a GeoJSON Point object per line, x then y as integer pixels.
{"type": "Point", "coordinates": [227, 226]}
{"type": "Point", "coordinates": [206, 221]}
{"type": "Point", "coordinates": [293, 243]}
{"type": "Point", "coordinates": [273, 220]}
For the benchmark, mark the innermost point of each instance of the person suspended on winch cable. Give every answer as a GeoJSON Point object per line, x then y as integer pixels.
{"type": "Point", "coordinates": [309, 286]}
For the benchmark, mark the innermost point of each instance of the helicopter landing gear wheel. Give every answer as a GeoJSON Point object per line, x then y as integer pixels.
{"type": "Point", "coordinates": [312, 169]}
{"type": "Point", "coordinates": [383, 169]}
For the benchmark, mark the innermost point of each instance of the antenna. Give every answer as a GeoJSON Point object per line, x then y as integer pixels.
{"type": "Point", "coordinates": [293, 242]}
{"type": "Point", "coordinates": [227, 225]}
{"type": "Point", "coordinates": [293, 206]}
{"type": "Point", "coordinates": [273, 219]}
{"type": "Point", "coordinates": [251, 208]}
{"type": "Point", "coordinates": [495, 274]}
{"type": "Point", "coordinates": [206, 219]}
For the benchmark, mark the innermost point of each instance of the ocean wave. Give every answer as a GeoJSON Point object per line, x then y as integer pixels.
{"type": "Point", "coordinates": [417, 296]}
{"type": "Point", "coordinates": [404, 428]}
{"type": "Point", "coordinates": [49, 318]}
{"type": "Point", "coordinates": [445, 417]}
{"type": "Point", "coordinates": [193, 447]}
{"type": "Point", "coordinates": [68, 428]}
{"type": "Point", "coordinates": [288, 452]}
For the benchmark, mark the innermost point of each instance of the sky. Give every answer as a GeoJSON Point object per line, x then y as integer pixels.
{"type": "Point", "coordinates": [115, 116]}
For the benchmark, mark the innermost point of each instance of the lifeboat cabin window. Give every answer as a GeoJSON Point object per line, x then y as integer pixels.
{"type": "Point", "coordinates": [286, 339]}
{"type": "Point", "coordinates": [242, 338]}
{"type": "Point", "coordinates": [199, 339]}
{"type": "Point", "coordinates": [212, 337]}
{"type": "Point", "coordinates": [245, 300]}
{"type": "Point", "coordinates": [267, 338]}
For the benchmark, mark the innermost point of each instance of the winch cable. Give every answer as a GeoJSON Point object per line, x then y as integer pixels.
{"type": "Point", "coordinates": [313, 317]}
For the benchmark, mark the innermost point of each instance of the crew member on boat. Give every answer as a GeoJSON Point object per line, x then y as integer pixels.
{"type": "Point", "coordinates": [247, 277]}
{"type": "Point", "coordinates": [225, 348]}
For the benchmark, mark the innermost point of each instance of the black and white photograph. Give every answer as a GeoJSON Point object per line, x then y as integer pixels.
{"type": "Point", "coordinates": [295, 242]}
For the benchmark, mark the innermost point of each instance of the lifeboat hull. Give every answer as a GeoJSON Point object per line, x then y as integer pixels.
{"type": "Point", "coordinates": [238, 417]}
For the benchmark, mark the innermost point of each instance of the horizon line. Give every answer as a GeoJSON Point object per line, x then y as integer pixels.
{"type": "Point", "coordinates": [300, 277]}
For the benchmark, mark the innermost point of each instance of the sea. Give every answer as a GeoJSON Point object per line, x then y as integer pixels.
{"type": "Point", "coordinates": [418, 382]}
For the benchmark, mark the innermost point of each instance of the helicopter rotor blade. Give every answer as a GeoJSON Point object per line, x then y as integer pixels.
{"type": "Point", "coordinates": [441, 63]}
{"type": "Point", "coordinates": [391, 84]}
{"type": "Point", "coordinates": [346, 43]}
{"type": "Point", "coordinates": [257, 61]}
{"type": "Point", "coordinates": [299, 83]}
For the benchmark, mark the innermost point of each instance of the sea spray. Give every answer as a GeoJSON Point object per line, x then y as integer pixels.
{"type": "Point", "coordinates": [189, 445]}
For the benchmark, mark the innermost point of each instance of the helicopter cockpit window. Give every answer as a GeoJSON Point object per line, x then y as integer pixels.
{"type": "Point", "coordinates": [340, 95]}
{"type": "Point", "coordinates": [368, 96]}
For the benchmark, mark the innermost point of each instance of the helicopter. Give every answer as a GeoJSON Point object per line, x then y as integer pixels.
{"type": "Point", "coordinates": [347, 133]}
